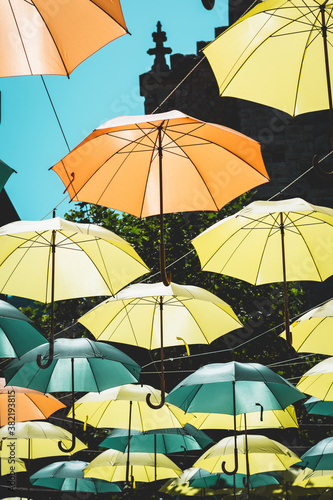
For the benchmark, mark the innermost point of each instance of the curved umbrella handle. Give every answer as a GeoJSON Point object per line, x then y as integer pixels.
{"type": "Point", "coordinates": [261, 411]}
{"type": "Point", "coordinates": [159, 405]}
{"type": "Point", "coordinates": [49, 359]}
{"type": "Point", "coordinates": [71, 448]}
{"type": "Point", "coordinates": [231, 473]}
{"type": "Point", "coordinates": [323, 173]}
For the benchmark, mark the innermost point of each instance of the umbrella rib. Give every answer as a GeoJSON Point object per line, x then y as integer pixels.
{"type": "Point", "coordinates": [148, 171]}
{"type": "Point", "coordinates": [195, 321]}
{"type": "Point", "coordinates": [270, 231]}
{"type": "Point", "coordinates": [93, 373]}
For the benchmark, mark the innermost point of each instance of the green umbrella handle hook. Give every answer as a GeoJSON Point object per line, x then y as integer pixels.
{"type": "Point", "coordinates": [60, 445]}
{"type": "Point", "coordinates": [231, 473]}
{"type": "Point", "coordinates": [261, 411]}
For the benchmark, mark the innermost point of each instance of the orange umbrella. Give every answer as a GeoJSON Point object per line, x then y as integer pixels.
{"type": "Point", "coordinates": [42, 37]}
{"type": "Point", "coordinates": [19, 404]}
{"type": "Point", "coordinates": [156, 164]}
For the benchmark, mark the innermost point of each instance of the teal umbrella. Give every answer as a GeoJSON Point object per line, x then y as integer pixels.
{"type": "Point", "coordinates": [5, 173]}
{"type": "Point", "coordinates": [17, 333]}
{"type": "Point", "coordinates": [320, 456]}
{"type": "Point", "coordinates": [77, 365]}
{"type": "Point", "coordinates": [203, 479]}
{"type": "Point", "coordinates": [233, 388]}
{"type": "Point", "coordinates": [158, 440]}
{"type": "Point", "coordinates": [210, 389]}
{"type": "Point", "coordinates": [317, 406]}
{"type": "Point", "coordinates": [69, 476]}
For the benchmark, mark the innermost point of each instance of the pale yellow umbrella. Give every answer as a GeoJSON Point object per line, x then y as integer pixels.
{"type": "Point", "coordinates": [35, 440]}
{"type": "Point", "coordinates": [309, 478]}
{"type": "Point", "coordinates": [11, 465]}
{"type": "Point", "coordinates": [55, 259]}
{"type": "Point", "coordinates": [271, 241]}
{"type": "Point", "coordinates": [264, 455]}
{"type": "Point", "coordinates": [190, 314]}
{"type": "Point", "coordinates": [278, 419]}
{"type": "Point", "coordinates": [177, 486]}
{"type": "Point", "coordinates": [312, 332]}
{"type": "Point", "coordinates": [111, 465]}
{"type": "Point", "coordinates": [318, 381]}
{"type": "Point", "coordinates": [277, 54]}
{"type": "Point", "coordinates": [125, 406]}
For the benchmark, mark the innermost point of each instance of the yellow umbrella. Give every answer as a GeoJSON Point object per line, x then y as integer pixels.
{"type": "Point", "coordinates": [35, 440]}
{"type": "Point", "coordinates": [11, 465]}
{"type": "Point", "coordinates": [312, 332]}
{"type": "Point", "coordinates": [175, 487]}
{"type": "Point", "coordinates": [111, 465]}
{"type": "Point", "coordinates": [278, 419]}
{"type": "Point", "coordinates": [278, 55]}
{"type": "Point", "coordinates": [264, 455]}
{"type": "Point", "coordinates": [309, 478]}
{"type": "Point", "coordinates": [55, 259]}
{"type": "Point", "coordinates": [271, 241]}
{"type": "Point", "coordinates": [318, 381]}
{"type": "Point", "coordinates": [126, 405]}
{"type": "Point", "coordinates": [190, 314]}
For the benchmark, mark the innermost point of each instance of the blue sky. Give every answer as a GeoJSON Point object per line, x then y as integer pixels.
{"type": "Point", "coordinates": [104, 86]}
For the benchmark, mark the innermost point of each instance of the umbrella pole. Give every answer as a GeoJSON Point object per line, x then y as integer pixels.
{"type": "Point", "coordinates": [315, 161]}
{"type": "Point", "coordinates": [285, 291]}
{"type": "Point", "coordinates": [51, 347]}
{"type": "Point", "coordinates": [246, 482]}
{"type": "Point", "coordinates": [29, 457]}
{"type": "Point", "coordinates": [149, 403]}
{"type": "Point", "coordinates": [233, 472]}
{"type": "Point", "coordinates": [61, 447]}
{"type": "Point", "coordinates": [155, 457]}
{"type": "Point", "coordinates": [128, 442]}
{"type": "Point", "coordinates": [165, 277]}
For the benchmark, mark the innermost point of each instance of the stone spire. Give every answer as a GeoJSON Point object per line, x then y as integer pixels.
{"type": "Point", "coordinates": [159, 51]}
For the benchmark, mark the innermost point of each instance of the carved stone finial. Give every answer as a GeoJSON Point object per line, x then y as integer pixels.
{"type": "Point", "coordinates": [159, 51]}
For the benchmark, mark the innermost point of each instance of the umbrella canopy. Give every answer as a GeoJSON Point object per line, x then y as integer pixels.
{"type": "Point", "coordinates": [126, 404]}
{"type": "Point", "coordinates": [315, 406]}
{"type": "Point", "coordinates": [177, 488]}
{"type": "Point", "coordinates": [312, 331]}
{"type": "Point", "coordinates": [319, 456]}
{"type": "Point", "coordinates": [264, 455]}
{"type": "Point", "coordinates": [158, 440]}
{"type": "Point", "coordinates": [275, 55]}
{"type": "Point", "coordinates": [204, 165]}
{"type": "Point", "coordinates": [53, 38]}
{"type": "Point", "coordinates": [97, 366]}
{"type": "Point", "coordinates": [18, 404]}
{"type": "Point", "coordinates": [256, 231]}
{"type": "Point", "coordinates": [89, 260]}
{"type": "Point", "coordinates": [210, 389]}
{"type": "Point", "coordinates": [69, 476]}
{"type": "Point", "coordinates": [309, 478]}
{"type": "Point", "coordinates": [318, 381]}
{"type": "Point", "coordinates": [278, 419]}
{"type": "Point", "coordinates": [17, 333]}
{"type": "Point", "coordinates": [35, 440]}
{"type": "Point", "coordinates": [132, 316]}
{"type": "Point", "coordinates": [145, 467]}
{"type": "Point", "coordinates": [287, 241]}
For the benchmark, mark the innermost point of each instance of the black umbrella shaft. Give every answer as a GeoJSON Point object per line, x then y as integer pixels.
{"type": "Point", "coordinates": [53, 248]}
{"type": "Point", "coordinates": [247, 459]}
{"type": "Point", "coordinates": [129, 442]}
{"type": "Point", "coordinates": [285, 291]}
{"type": "Point", "coordinates": [327, 66]}
{"type": "Point", "coordinates": [166, 279]}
